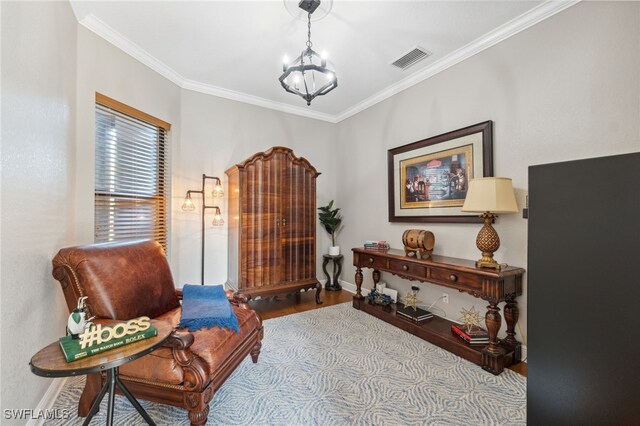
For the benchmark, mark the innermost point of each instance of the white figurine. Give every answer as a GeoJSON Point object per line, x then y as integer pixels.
{"type": "Point", "coordinates": [78, 321]}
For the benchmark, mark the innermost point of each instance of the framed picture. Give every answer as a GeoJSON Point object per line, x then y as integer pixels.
{"type": "Point", "coordinates": [429, 179]}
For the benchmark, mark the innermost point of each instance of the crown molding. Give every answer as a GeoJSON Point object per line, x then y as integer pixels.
{"type": "Point", "coordinates": [95, 25]}
{"type": "Point", "coordinates": [92, 23]}
{"type": "Point", "coordinates": [256, 100]}
{"type": "Point", "coordinates": [513, 27]}
{"type": "Point", "coordinates": [516, 25]}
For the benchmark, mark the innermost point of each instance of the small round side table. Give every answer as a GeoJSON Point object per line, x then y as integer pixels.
{"type": "Point", "coordinates": [50, 362]}
{"type": "Point", "coordinates": [332, 285]}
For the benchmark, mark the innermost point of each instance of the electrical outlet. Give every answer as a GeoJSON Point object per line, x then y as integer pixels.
{"type": "Point", "coordinates": [445, 298]}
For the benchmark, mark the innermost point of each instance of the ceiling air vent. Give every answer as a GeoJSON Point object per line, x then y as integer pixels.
{"type": "Point", "coordinates": [410, 58]}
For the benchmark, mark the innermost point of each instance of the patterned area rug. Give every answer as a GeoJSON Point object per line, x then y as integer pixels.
{"type": "Point", "coordinates": [340, 366]}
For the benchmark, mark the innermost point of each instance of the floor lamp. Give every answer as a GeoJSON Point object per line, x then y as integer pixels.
{"type": "Point", "coordinates": [188, 206]}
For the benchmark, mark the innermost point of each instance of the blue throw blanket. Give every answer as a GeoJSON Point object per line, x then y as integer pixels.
{"type": "Point", "coordinates": [206, 306]}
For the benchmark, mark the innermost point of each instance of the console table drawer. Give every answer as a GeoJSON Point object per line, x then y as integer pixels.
{"type": "Point", "coordinates": [456, 279]}
{"type": "Point", "coordinates": [373, 262]}
{"type": "Point", "coordinates": [407, 268]}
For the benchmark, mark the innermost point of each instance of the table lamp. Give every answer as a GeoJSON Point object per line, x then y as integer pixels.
{"type": "Point", "coordinates": [489, 196]}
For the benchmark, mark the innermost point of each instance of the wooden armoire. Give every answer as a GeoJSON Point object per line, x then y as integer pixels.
{"type": "Point", "coordinates": [272, 224]}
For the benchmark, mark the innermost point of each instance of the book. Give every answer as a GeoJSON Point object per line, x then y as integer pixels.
{"type": "Point", "coordinates": [372, 242]}
{"type": "Point", "coordinates": [470, 340]}
{"type": "Point", "coordinates": [376, 245]}
{"type": "Point", "coordinates": [417, 315]}
{"type": "Point", "coordinates": [72, 350]}
{"type": "Point", "coordinates": [474, 332]}
{"type": "Point", "coordinates": [458, 332]}
{"type": "Point", "coordinates": [469, 330]}
{"type": "Point", "coordinates": [473, 341]}
{"type": "Point", "coordinates": [478, 340]}
{"type": "Point", "coordinates": [413, 318]}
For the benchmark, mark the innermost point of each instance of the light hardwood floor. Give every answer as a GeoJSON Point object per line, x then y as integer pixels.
{"type": "Point", "coordinates": [306, 301]}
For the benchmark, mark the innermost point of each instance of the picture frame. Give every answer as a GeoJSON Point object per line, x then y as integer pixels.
{"type": "Point", "coordinates": [429, 179]}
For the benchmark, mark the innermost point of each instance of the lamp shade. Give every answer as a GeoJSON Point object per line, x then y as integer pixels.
{"type": "Point", "coordinates": [490, 194]}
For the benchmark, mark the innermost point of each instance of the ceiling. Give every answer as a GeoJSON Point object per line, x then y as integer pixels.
{"type": "Point", "coordinates": [234, 49]}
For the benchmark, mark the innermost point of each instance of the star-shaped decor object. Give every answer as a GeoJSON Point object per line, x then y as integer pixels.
{"type": "Point", "coordinates": [470, 318]}
{"type": "Point", "coordinates": [410, 299]}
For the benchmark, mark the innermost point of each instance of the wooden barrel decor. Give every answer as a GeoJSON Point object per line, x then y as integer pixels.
{"type": "Point", "coordinates": [418, 241]}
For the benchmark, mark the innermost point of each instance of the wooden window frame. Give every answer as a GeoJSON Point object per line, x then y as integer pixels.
{"type": "Point", "coordinates": [162, 171]}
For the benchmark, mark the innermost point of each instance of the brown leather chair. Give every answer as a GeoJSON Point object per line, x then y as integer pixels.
{"type": "Point", "coordinates": [128, 280]}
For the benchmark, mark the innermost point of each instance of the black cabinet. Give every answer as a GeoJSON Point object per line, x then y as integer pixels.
{"type": "Point", "coordinates": [584, 292]}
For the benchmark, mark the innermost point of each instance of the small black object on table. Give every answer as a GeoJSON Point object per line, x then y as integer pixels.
{"type": "Point", "coordinates": [332, 285]}
{"type": "Point", "coordinates": [50, 362]}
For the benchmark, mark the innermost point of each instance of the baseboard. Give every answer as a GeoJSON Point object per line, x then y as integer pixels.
{"type": "Point", "coordinates": [351, 288]}
{"type": "Point", "coordinates": [47, 401]}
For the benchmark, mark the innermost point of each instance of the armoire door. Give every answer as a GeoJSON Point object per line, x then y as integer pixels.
{"type": "Point", "coordinates": [272, 208]}
{"type": "Point", "coordinates": [262, 217]}
{"type": "Point", "coordinates": [297, 231]}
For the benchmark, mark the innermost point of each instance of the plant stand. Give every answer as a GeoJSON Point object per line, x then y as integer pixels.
{"type": "Point", "coordinates": [332, 285]}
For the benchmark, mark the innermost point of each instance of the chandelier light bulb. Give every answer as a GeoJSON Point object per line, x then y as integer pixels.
{"type": "Point", "coordinates": [285, 63]}
{"type": "Point", "coordinates": [323, 59]}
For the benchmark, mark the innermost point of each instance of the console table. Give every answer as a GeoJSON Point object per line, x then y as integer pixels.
{"type": "Point", "coordinates": [459, 274]}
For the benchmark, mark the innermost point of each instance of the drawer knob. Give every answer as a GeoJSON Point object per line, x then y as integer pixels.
{"type": "Point", "coordinates": [405, 267]}
{"type": "Point", "coordinates": [371, 260]}
{"type": "Point", "coordinates": [453, 278]}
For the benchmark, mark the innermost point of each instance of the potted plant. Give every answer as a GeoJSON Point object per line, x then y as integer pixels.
{"type": "Point", "coordinates": [331, 219]}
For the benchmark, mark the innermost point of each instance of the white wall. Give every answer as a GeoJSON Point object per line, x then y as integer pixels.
{"type": "Point", "coordinates": [216, 134]}
{"type": "Point", "coordinates": [105, 69]}
{"type": "Point", "coordinates": [38, 161]}
{"type": "Point", "coordinates": [564, 89]}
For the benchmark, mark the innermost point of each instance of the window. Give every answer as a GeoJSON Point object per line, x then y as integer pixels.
{"type": "Point", "coordinates": [131, 182]}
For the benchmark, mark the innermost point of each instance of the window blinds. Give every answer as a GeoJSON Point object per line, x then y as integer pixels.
{"type": "Point", "coordinates": [131, 180]}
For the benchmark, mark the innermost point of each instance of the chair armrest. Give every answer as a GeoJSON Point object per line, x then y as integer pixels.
{"type": "Point", "coordinates": [195, 369]}
{"type": "Point", "coordinates": [238, 299]}
{"type": "Point", "coordinates": [180, 340]}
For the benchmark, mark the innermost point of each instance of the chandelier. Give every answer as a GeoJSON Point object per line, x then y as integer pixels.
{"type": "Point", "coordinates": [308, 76]}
